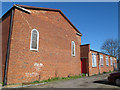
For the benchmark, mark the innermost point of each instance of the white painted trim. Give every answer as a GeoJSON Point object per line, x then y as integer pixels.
{"type": "Point", "coordinates": [73, 45]}
{"type": "Point", "coordinates": [79, 34]}
{"type": "Point", "coordinates": [22, 8]}
{"type": "Point", "coordinates": [37, 40]}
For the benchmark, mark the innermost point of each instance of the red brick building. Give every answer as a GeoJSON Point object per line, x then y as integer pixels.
{"type": "Point", "coordinates": [94, 62]}
{"type": "Point", "coordinates": [41, 43]}
{"type": "Point", "coordinates": [38, 43]}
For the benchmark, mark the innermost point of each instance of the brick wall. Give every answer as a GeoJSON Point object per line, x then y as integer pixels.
{"type": "Point", "coordinates": [99, 68]}
{"type": "Point", "coordinates": [4, 34]}
{"type": "Point", "coordinates": [54, 52]}
{"type": "Point", "coordinates": [84, 50]}
{"type": "Point", "coordinates": [93, 70]}
{"type": "Point", "coordinates": [106, 68]}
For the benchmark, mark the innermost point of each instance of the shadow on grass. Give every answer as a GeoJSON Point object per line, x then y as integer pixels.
{"type": "Point", "coordinates": [104, 81]}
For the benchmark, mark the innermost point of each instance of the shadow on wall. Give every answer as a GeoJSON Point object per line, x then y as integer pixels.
{"type": "Point", "coordinates": [118, 62]}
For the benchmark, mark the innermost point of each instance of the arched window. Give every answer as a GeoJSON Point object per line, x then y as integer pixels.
{"type": "Point", "coordinates": [73, 48]}
{"type": "Point", "coordinates": [34, 40]}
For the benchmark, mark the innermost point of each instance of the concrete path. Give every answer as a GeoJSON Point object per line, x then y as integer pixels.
{"type": "Point", "coordinates": [99, 81]}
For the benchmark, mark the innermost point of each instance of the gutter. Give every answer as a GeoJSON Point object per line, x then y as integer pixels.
{"type": "Point", "coordinates": [99, 68]}
{"type": "Point", "coordinates": [8, 49]}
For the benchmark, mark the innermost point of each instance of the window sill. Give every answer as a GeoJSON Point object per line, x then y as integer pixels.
{"type": "Point", "coordinates": [94, 67]}
{"type": "Point", "coordinates": [73, 55]}
{"type": "Point", "coordinates": [34, 50]}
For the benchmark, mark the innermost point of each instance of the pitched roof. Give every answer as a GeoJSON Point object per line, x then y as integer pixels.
{"type": "Point", "coordinates": [24, 8]}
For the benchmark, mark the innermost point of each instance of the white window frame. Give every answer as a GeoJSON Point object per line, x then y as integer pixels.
{"type": "Point", "coordinates": [111, 61]}
{"type": "Point", "coordinates": [73, 49]}
{"type": "Point", "coordinates": [94, 60]}
{"type": "Point", "coordinates": [107, 61]}
{"type": "Point", "coordinates": [37, 40]}
{"type": "Point", "coordinates": [101, 60]}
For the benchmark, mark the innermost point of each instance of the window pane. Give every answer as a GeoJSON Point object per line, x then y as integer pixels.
{"type": "Point", "coordinates": [73, 48]}
{"type": "Point", "coordinates": [94, 60]}
{"type": "Point", "coordinates": [101, 60]}
{"type": "Point", "coordinates": [111, 61]}
{"type": "Point", "coordinates": [34, 39]}
{"type": "Point", "coordinates": [107, 63]}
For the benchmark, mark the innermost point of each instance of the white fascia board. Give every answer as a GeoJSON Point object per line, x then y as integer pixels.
{"type": "Point", "coordinates": [22, 8]}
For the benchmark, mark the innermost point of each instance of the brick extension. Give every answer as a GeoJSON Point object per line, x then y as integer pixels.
{"type": "Point", "coordinates": [86, 57]}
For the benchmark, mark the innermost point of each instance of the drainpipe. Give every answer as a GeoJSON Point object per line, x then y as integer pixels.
{"type": "Point", "coordinates": [99, 62]}
{"type": "Point", "coordinates": [8, 49]}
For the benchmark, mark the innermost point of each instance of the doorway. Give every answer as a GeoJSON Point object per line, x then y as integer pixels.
{"type": "Point", "coordinates": [84, 65]}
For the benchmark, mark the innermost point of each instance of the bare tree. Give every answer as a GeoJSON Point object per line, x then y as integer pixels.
{"type": "Point", "coordinates": [110, 46]}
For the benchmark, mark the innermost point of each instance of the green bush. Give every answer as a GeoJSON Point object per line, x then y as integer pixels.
{"type": "Point", "coordinates": [36, 81]}
{"type": "Point", "coordinates": [104, 72]}
{"type": "Point", "coordinates": [80, 76]}
{"type": "Point", "coordinates": [110, 71]}
{"type": "Point", "coordinates": [63, 78]}
{"type": "Point", "coordinates": [83, 74]}
{"type": "Point", "coordinates": [49, 80]}
{"type": "Point", "coordinates": [95, 74]}
{"type": "Point", "coordinates": [56, 78]}
{"type": "Point", "coordinates": [44, 81]}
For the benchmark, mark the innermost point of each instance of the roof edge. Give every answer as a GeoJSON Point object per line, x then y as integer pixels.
{"type": "Point", "coordinates": [21, 8]}
{"type": "Point", "coordinates": [84, 44]}
{"type": "Point", "coordinates": [41, 8]}
{"type": "Point", "coordinates": [38, 8]}
{"type": "Point", "coordinates": [7, 12]}
{"type": "Point", "coordinates": [101, 53]}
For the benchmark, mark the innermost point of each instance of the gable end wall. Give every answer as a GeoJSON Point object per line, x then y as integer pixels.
{"type": "Point", "coordinates": [54, 52]}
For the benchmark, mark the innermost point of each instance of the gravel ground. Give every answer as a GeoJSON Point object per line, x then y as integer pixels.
{"type": "Point", "coordinates": [99, 81]}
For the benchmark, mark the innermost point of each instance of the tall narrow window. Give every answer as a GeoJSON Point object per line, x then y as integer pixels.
{"type": "Point", "coordinates": [107, 62]}
{"type": "Point", "coordinates": [94, 60]}
{"type": "Point", "coordinates": [111, 60]}
{"type": "Point", "coordinates": [34, 40]}
{"type": "Point", "coordinates": [73, 48]}
{"type": "Point", "coordinates": [101, 60]}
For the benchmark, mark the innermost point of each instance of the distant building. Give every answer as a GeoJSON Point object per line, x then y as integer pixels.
{"type": "Point", "coordinates": [94, 62]}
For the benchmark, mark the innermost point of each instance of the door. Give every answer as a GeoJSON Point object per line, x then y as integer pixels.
{"type": "Point", "coordinates": [84, 65]}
